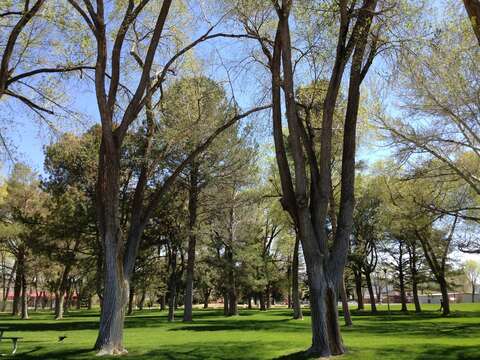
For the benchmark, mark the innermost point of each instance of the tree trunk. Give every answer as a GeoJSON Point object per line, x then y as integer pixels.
{"type": "Point", "coordinates": [131, 297]}
{"type": "Point", "coordinates": [262, 301]}
{"type": "Point", "coordinates": [268, 297]}
{"type": "Point", "coordinates": [192, 240]}
{"type": "Point", "coordinates": [346, 311]}
{"type": "Point", "coordinates": [473, 292]}
{"type": "Point", "coordinates": [61, 293]}
{"type": "Point", "coordinates": [19, 276]}
{"type": "Point", "coordinates": [297, 308]}
{"type": "Point", "coordinates": [401, 278]}
{"type": "Point", "coordinates": [326, 338]}
{"type": "Point", "coordinates": [371, 293]}
{"type": "Point", "coordinates": [172, 297]}
{"type": "Point", "coordinates": [416, 300]}
{"type": "Point", "coordinates": [324, 265]}
{"type": "Point", "coordinates": [59, 305]}
{"type": "Point", "coordinates": [358, 289]}
{"type": "Point", "coordinates": [232, 306]}
{"type": "Point", "coordinates": [24, 297]}
{"type": "Point", "coordinates": [290, 286]}
{"type": "Point", "coordinates": [414, 273]}
{"type": "Point", "coordinates": [7, 287]}
{"type": "Point", "coordinates": [162, 302]}
{"type": "Point", "coordinates": [206, 297]}
{"type": "Point", "coordinates": [444, 290]}
{"type": "Point", "coordinates": [115, 298]}
{"type": "Point", "coordinates": [225, 305]}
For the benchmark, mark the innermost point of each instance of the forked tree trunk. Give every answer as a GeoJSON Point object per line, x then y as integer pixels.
{"type": "Point", "coordinates": [308, 205]}
{"type": "Point", "coordinates": [192, 240]}
{"type": "Point", "coordinates": [297, 309]}
{"type": "Point", "coordinates": [371, 293]}
{"type": "Point", "coordinates": [326, 338]}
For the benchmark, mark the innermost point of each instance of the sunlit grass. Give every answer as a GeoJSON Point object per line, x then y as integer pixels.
{"type": "Point", "coordinates": [254, 335]}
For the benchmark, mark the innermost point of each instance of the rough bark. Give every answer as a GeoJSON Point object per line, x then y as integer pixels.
{"type": "Point", "coordinates": [297, 309]}
{"type": "Point", "coordinates": [308, 205]}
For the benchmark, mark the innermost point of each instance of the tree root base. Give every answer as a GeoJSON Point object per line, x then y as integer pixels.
{"type": "Point", "coordinates": [112, 352]}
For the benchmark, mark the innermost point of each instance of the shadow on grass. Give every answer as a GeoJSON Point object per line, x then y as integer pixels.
{"type": "Point", "coordinates": [219, 325]}
{"type": "Point", "coordinates": [39, 353]}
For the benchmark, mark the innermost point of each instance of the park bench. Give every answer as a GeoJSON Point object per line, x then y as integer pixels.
{"type": "Point", "coordinates": [14, 339]}
{"type": "Point", "coordinates": [14, 342]}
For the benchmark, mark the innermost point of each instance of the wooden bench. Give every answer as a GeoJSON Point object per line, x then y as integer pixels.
{"type": "Point", "coordinates": [2, 330]}
{"type": "Point", "coordinates": [14, 342]}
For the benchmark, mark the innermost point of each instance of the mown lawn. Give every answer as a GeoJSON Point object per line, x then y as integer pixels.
{"type": "Point", "coordinates": [254, 335]}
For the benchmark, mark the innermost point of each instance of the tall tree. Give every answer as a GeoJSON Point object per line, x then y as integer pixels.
{"type": "Point", "coordinates": [308, 204]}
{"type": "Point", "coordinates": [120, 255]}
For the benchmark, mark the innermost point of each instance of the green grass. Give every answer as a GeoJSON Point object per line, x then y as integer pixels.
{"type": "Point", "coordinates": [254, 335]}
